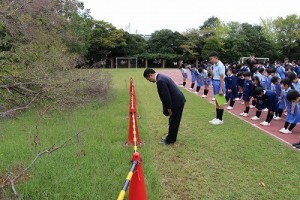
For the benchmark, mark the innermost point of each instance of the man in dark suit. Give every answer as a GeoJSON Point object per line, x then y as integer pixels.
{"type": "Point", "coordinates": [172, 101]}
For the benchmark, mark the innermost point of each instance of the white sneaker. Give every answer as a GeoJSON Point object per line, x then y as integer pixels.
{"type": "Point", "coordinates": [236, 99]}
{"type": "Point", "coordinates": [281, 130]}
{"type": "Point", "coordinates": [286, 131]}
{"type": "Point", "coordinates": [204, 96]}
{"type": "Point", "coordinates": [191, 88]}
{"type": "Point", "coordinates": [196, 92]}
{"type": "Point", "coordinates": [213, 99]}
{"type": "Point", "coordinates": [252, 106]}
{"type": "Point", "coordinates": [255, 118]}
{"type": "Point", "coordinates": [229, 108]}
{"type": "Point", "coordinates": [277, 118]}
{"type": "Point", "coordinates": [213, 121]}
{"type": "Point", "coordinates": [241, 114]}
{"type": "Point", "coordinates": [218, 122]}
{"type": "Point", "coordinates": [245, 115]}
{"type": "Point", "coordinates": [265, 110]}
{"type": "Point", "coordinates": [264, 123]}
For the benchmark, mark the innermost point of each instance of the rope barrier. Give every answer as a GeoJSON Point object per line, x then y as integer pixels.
{"type": "Point", "coordinates": [127, 181]}
{"type": "Point", "coordinates": [135, 178]}
{"type": "Point", "coordinates": [134, 133]}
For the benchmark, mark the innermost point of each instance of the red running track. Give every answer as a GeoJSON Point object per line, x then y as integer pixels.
{"type": "Point", "coordinates": [272, 130]}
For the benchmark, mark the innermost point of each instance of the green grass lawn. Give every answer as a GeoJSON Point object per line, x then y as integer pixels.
{"type": "Point", "coordinates": [207, 162]}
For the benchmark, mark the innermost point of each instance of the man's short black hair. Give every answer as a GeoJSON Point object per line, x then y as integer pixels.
{"type": "Point", "coordinates": [213, 54]}
{"type": "Point", "coordinates": [148, 71]}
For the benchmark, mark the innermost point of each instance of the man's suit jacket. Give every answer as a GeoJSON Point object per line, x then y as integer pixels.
{"type": "Point", "coordinates": [170, 95]}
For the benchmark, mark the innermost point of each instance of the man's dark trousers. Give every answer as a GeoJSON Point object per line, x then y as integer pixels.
{"type": "Point", "coordinates": [174, 122]}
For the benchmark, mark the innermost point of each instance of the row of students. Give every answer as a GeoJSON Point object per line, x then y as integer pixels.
{"type": "Point", "coordinates": [274, 100]}
{"type": "Point", "coordinates": [200, 75]}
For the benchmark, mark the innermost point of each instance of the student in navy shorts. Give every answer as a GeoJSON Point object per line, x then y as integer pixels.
{"type": "Point", "coordinates": [231, 87]}
{"type": "Point", "coordinates": [247, 93]}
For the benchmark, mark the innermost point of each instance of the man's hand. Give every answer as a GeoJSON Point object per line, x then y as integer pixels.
{"type": "Point", "coordinates": [170, 112]}
{"type": "Point", "coordinates": [221, 93]}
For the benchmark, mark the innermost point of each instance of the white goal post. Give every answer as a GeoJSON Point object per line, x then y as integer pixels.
{"type": "Point", "coordinates": [243, 59]}
{"type": "Point", "coordinates": [126, 62]}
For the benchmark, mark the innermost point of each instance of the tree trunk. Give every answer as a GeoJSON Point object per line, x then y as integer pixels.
{"type": "Point", "coordinates": [163, 63]}
{"type": "Point", "coordinates": [111, 63]}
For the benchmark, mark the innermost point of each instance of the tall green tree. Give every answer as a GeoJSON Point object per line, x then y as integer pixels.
{"type": "Point", "coordinates": [134, 45]}
{"type": "Point", "coordinates": [80, 25]}
{"type": "Point", "coordinates": [104, 38]}
{"type": "Point", "coordinates": [214, 33]}
{"type": "Point", "coordinates": [288, 35]}
{"type": "Point", "coordinates": [38, 53]}
{"type": "Point", "coordinates": [194, 43]}
{"type": "Point", "coordinates": [166, 41]}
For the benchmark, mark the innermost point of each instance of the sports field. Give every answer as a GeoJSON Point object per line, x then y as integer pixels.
{"type": "Point", "coordinates": [232, 161]}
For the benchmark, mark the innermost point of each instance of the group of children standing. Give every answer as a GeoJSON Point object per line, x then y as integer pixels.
{"type": "Point", "coordinates": [275, 89]}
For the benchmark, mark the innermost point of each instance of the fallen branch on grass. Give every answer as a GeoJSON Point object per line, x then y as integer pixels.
{"type": "Point", "coordinates": [11, 112]}
{"type": "Point", "coordinates": [11, 178]}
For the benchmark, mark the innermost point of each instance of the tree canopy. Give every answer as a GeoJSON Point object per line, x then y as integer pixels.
{"type": "Point", "coordinates": [41, 40]}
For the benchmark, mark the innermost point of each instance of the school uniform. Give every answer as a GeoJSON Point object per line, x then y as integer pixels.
{"type": "Point", "coordinates": [263, 82]}
{"type": "Point", "coordinates": [295, 117]}
{"type": "Point", "coordinates": [259, 75]}
{"type": "Point", "coordinates": [297, 86]}
{"type": "Point", "coordinates": [280, 71]}
{"type": "Point", "coordinates": [218, 69]}
{"type": "Point", "coordinates": [240, 82]}
{"type": "Point", "coordinates": [184, 73]}
{"type": "Point", "coordinates": [193, 74]}
{"type": "Point", "coordinates": [247, 90]}
{"type": "Point", "coordinates": [268, 82]}
{"type": "Point", "coordinates": [282, 100]}
{"type": "Point", "coordinates": [297, 69]}
{"type": "Point", "coordinates": [284, 97]}
{"type": "Point", "coordinates": [270, 100]}
{"type": "Point", "coordinates": [244, 69]}
{"type": "Point", "coordinates": [201, 78]}
{"type": "Point", "coordinates": [231, 83]}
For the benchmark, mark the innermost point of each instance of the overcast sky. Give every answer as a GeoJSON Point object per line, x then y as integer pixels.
{"type": "Point", "coordinates": [145, 17]}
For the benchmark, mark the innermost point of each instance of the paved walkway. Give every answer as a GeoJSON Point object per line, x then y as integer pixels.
{"type": "Point", "coordinates": [272, 130]}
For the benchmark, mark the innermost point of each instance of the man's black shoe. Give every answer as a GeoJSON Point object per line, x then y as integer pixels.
{"type": "Point", "coordinates": [165, 142]}
{"type": "Point", "coordinates": [164, 138]}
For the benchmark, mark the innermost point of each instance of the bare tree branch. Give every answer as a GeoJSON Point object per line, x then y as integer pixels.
{"type": "Point", "coordinates": [11, 111]}
{"type": "Point", "coordinates": [11, 179]}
